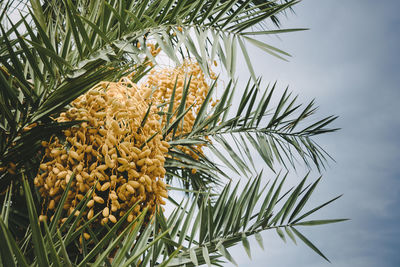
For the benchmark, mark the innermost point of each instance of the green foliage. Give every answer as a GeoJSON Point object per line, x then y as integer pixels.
{"type": "Point", "coordinates": [192, 236]}
{"type": "Point", "coordinates": [59, 49]}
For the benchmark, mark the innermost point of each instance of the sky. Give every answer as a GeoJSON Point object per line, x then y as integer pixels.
{"type": "Point", "coordinates": [349, 62]}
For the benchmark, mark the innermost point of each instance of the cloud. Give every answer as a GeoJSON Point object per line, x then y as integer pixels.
{"type": "Point", "coordinates": [349, 62]}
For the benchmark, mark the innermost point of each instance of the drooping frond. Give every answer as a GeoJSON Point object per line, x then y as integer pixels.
{"type": "Point", "coordinates": [191, 235]}
{"type": "Point", "coordinates": [89, 30]}
{"type": "Point", "coordinates": [202, 235]}
{"type": "Point", "coordinates": [278, 130]}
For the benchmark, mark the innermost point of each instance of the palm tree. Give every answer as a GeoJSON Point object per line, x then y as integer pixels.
{"type": "Point", "coordinates": [56, 51]}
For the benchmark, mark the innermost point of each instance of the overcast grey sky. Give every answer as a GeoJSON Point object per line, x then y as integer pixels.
{"type": "Point", "coordinates": [349, 62]}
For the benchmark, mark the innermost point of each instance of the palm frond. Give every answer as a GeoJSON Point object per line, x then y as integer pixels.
{"type": "Point", "coordinates": [52, 245]}
{"type": "Point", "coordinates": [281, 134]}
{"type": "Point", "coordinates": [94, 26]}
{"type": "Point", "coordinates": [232, 218]}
